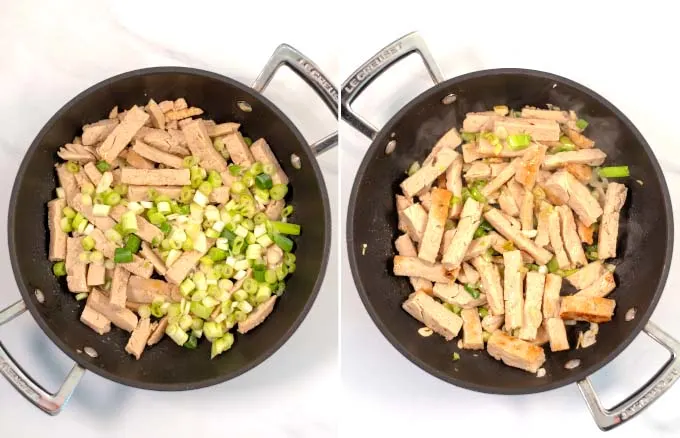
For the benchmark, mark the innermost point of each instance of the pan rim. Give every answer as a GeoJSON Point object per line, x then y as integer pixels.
{"type": "Point", "coordinates": [580, 373]}
{"type": "Point", "coordinates": [26, 295]}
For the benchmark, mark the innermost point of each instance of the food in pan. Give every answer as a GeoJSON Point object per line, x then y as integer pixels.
{"type": "Point", "coordinates": [167, 224]}
{"type": "Point", "coordinates": [491, 231]}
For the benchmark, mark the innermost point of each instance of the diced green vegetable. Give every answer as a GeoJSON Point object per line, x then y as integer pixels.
{"type": "Point", "coordinates": [129, 222]}
{"type": "Point", "coordinates": [59, 269]}
{"type": "Point", "coordinates": [122, 255]}
{"type": "Point", "coordinates": [472, 289]}
{"type": "Point", "coordinates": [456, 356]}
{"type": "Point", "coordinates": [469, 136]}
{"type": "Point", "coordinates": [212, 330]}
{"type": "Point", "coordinates": [69, 212]}
{"type": "Point", "coordinates": [283, 242]}
{"type": "Point", "coordinates": [476, 194]}
{"type": "Point", "coordinates": [518, 142]}
{"type": "Point", "coordinates": [581, 124]}
{"type": "Point", "coordinates": [191, 343]}
{"type": "Point", "coordinates": [133, 243]}
{"type": "Point", "coordinates": [553, 266]}
{"type": "Point", "coordinates": [66, 225]}
{"type": "Point", "coordinates": [221, 345]}
{"type": "Point", "coordinates": [278, 192]}
{"type": "Point", "coordinates": [234, 169]}
{"type": "Point", "coordinates": [413, 168]}
{"type": "Point", "coordinates": [88, 243]}
{"type": "Point", "coordinates": [102, 166]}
{"type": "Point", "coordinates": [591, 252]}
{"type": "Point", "coordinates": [177, 334]}
{"type": "Point", "coordinates": [483, 311]}
{"type": "Point", "coordinates": [614, 172]}
{"type": "Point", "coordinates": [248, 140]}
{"type": "Point", "coordinates": [73, 167]}
{"type": "Point", "coordinates": [285, 228]}
{"type": "Point", "coordinates": [263, 181]}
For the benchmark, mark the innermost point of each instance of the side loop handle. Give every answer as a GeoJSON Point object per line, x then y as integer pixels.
{"type": "Point", "coordinates": [608, 419]}
{"type": "Point", "coordinates": [49, 403]}
{"type": "Point", "coordinates": [377, 65]}
{"type": "Point", "coordinates": [312, 75]}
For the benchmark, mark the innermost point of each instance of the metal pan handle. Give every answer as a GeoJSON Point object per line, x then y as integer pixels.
{"type": "Point", "coordinates": [608, 419]}
{"type": "Point", "coordinates": [22, 382]}
{"type": "Point", "coordinates": [377, 65]}
{"type": "Point", "coordinates": [312, 75]}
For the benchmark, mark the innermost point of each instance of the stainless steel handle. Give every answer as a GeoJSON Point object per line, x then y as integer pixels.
{"type": "Point", "coordinates": [312, 75]}
{"type": "Point", "coordinates": [377, 65]}
{"type": "Point", "coordinates": [608, 419]}
{"type": "Point", "coordinates": [22, 382]}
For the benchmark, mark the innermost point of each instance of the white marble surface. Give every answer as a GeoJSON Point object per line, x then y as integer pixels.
{"type": "Point", "coordinates": [620, 53]}
{"type": "Point", "coordinates": [53, 50]}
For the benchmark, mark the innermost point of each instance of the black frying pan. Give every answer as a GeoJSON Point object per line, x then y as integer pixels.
{"type": "Point", "coordinates": [645, 239]}
{"type": "Point", "coordinates": [165, 366]}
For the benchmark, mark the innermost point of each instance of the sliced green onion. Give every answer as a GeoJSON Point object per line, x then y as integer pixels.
{"type": "Point", "coordinates": [247, 140]}
{"type": "Point", "coordinates": [472, 289]}
{"type": "Point", "coordinates": [591, 252]}
{"type": "Point", "coordinates": [101, 210]}
{"type": "Point", "coordinates": [212, 330]}
{"type": "Point", "coordinates": [480, 232]}
{"type": "Point", "coordinates": [413, 168]}
{"type": "Point", "coordinates": [263, 181]}
{"type": "Point", "coordinates": [155, 217]}
{"type": "Point", "coordinates": [248, 180]}
{"type": "Point", "coordinates": [483, 311]}
{"type": "Point", "coordinates": [191, 343]}
{"type": "Point", "coordinates": [102, 166]}
{"type": "Point", "coordinates": [68, 212]}
{"type": "Point", "coordinates": [206, 188]}
{"type": "Point", "coordinates": [234, 169]}
{"type": "Point", "coordinates": [96, 257]}
{"type": "Point", "coordinates": [129, 222]}
{"type": "Point", "coordinates": [469, 136]}
{"type": "Point", "coordinates": [122, 255]}
{"type": "Point", "coordinates": [113, 235]}
{"type": "Point", "coordinates": [112, 198]}
{"type": "Point", "coordinates": [66, 225]}
{"type": "Point", "coordinates": [73, 167]}
{"type": "Point", "coordinates": [121, 189]}
{"type": "Point", "coordinates": [214, 179]}
{"type": "Point", "coordinates": [283, 242]}
{"type": "Point", "coordinates": [144, 311]}
{"type": "Point", "coordinates": [88, 243]}
{"type": "Point", "coordinates": [133, 243]}
{"type": "Point", "coordinates": [177, 334]}
{"type": "Point", "coordinates": [82, 296]}
{"type": "Point", "coordinates": [614, 172]}
{"type": "Point", "coordinates": [270, 276]}
{"type": "Point", "coordinates": [87, 189]}
{"type": "Point", "coordinates": [269, 169]}
{"type": "Point", "coordinates": [258, 275]}
{"type": "Point", "coordinates": [581, 124]}
{"type": "Point", "coordinates": [222, 344]}
{"type": "Point", "coordinates": [518, 142]}
{"type": "Point", "coordinates": [278, 192]}
{"type": "Point", "coordinates": [256, 169]}
{"type": "Point", "coordinates": [281, 272]}
{"type": "Point", "coordinates": [289, 258]}
{"type": "Point", "coordinates": [476, 194]}
{"type": "Point", "coordinates": [238, 187]}
{"type": "Point", "coordinates": [553, 266]}
{"type": "Point", "coordinates": [189, 162]}
{"type": "Point", "coordinates": [217, 255]}
{"type": "Point", "coordinates": [165, 227]}
{"type": "Point", "coordinates": [285, 228]}
{"type": "Point", "coordinates": [250, 285]}
{"type": "Point", "coordinates": [566, 141]}
{"type": "Point", "coordinates": [157, 308]}
{"type": "Point", "coordinates": [59, 269]}
{"type": "Point", "coordinates": [456, 356]}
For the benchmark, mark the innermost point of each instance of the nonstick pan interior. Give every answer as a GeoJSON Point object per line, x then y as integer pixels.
{"type": "Point", "coordinates": [645, 236]}
{"type": "Point", "coordinates": [165, 366]}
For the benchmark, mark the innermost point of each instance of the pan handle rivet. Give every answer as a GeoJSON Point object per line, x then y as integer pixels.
{"type": "Point", "coordinates": [40, 296]}
{"type": "Point", "coordinates": [244, 106]}
{"type": "Point", "coordinates": [295, 161]}
{"type": "Point", "coordinates": [449, 99]}
{"type": "Point", "coordinates": [391, 145]}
